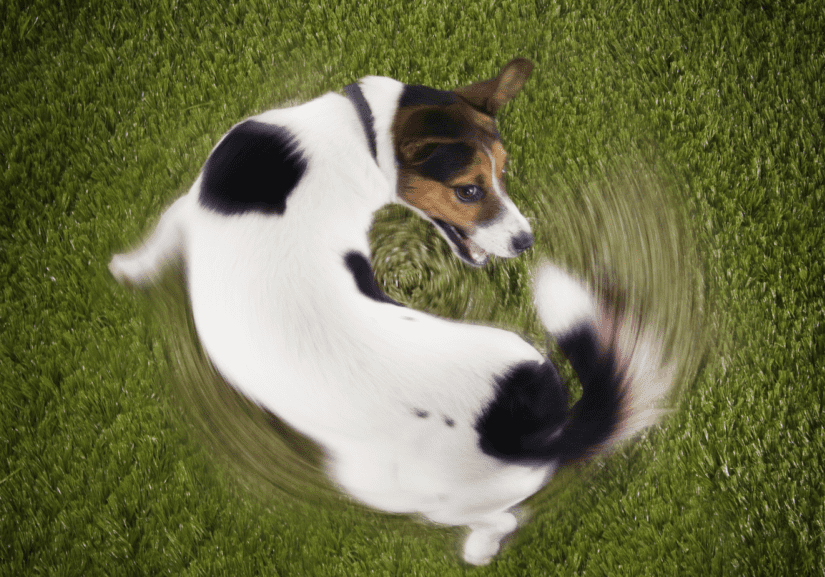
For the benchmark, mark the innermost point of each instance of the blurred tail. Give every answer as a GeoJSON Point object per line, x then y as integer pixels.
{"type": "Point", "coordinates": [143, 266]}
{"type": "Point", "coordinates": [621, 371]}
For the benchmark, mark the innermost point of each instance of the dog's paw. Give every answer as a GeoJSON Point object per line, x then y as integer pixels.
{"type": "Point", "coordinates": [484, 540]}
{"type": "Point", "coordinates": [480, 549]}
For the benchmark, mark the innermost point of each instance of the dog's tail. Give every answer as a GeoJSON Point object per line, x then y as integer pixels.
{"type": "Point", "coordinates": [620, 367]}
{"type": "Point", "coordinates": [142, 266]}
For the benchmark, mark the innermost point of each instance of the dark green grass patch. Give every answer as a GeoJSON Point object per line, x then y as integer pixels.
{"type": "Point", "coordinates": [109, 111]}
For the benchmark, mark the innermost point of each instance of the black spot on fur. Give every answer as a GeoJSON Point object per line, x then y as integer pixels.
{"type": "Point", "coordinates": [254, 168]}
{"type": "Point", "coordinates": [529, 407]}
{"type": "Point", "coordinates": [446, 160]}
{"type": "Point", "coordinates": [527, 421]}
{"type": "Point", "coordinates": [416, 95]}
{"type": "Point", "coordinates": [421, 413]}
{"type": "Point", "coordinates": [359, 267]}
{"type": "Point", "coordinates": [449, 422]}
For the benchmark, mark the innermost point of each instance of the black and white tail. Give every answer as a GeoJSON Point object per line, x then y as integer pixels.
{"type": "Point", "coordinates": [620, 368]}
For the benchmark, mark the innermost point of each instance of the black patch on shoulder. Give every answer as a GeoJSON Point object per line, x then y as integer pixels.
{"type": "Point", "coordinates": [446, 160]}
{"type": "Point", "coordinates": [529, 407]}
{"type": "Point", "coordinates": [254, 168]}
{"type": "Point", "coordinates": [421, 413]}
{"type": "Point", "coordinates": [416, 95]}
{"type": "Point", "coordinates": [359, 267]}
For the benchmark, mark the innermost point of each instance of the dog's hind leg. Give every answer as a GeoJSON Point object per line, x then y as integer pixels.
{"type": "Point", "coordinates": [485, 537]}
{"type": "Point", "coordinates": [143, 265]}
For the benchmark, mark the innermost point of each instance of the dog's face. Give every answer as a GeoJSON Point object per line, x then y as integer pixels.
{"type": "Point", "coordinates": [452, 164]}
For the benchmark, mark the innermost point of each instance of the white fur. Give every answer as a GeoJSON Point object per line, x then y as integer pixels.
{"type": "Point", "coordinates": [282, 320]}
{"type": "Point", "coordinates": [497, 237]}
{"type": "Point", "coordinates": [561, 301]}
{"type": "Point", "coordinates": [647, 380]}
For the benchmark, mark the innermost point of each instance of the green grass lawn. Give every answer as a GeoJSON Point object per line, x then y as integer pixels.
{"type": "Point", "coordinates": [676, 146]}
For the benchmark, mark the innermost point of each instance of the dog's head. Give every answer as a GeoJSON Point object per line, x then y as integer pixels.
{"type": "Point", "coordinates": [451, 164]}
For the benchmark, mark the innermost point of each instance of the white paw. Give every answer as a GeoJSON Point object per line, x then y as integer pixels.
{"type": "Point", "coordinates": [480, 548]}
{"type": "Point", "coordinates": [484, 540]}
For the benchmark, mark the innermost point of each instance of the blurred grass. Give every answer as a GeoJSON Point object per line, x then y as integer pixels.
{"type": "Point", "coordinates": [108, 114]}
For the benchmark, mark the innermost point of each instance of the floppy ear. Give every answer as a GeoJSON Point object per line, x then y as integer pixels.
{"type": "Point", "coordinates": [420, 131]}
{"type": "Point", "coordinates": [417, 151]}
{"type": "Point", "coordinates": [490, 95]}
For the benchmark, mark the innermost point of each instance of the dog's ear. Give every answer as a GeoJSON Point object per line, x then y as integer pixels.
{"type": "Point", "coordinates": [420, 131]}
{"type": "Point", "coordinates": [414, 152]}
{"type": "Point", "coordinates": [490, 95]}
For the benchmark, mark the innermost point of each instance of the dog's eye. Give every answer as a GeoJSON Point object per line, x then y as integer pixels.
{"type": "Point", "coordinates": [469, 193]}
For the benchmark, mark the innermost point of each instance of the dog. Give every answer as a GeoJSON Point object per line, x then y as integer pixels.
{"type": "Point", "coordinates": [417, 414]}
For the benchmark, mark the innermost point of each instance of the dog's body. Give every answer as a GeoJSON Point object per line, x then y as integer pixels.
{"type": "Point", "coordinates": [417, 414]}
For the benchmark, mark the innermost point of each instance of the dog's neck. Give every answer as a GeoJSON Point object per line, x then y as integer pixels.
{"type": "Point", "coordinates": [382, 95]}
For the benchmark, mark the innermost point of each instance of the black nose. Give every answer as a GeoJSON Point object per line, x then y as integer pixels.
{"type": "Point", "coordinates": [522, 241]}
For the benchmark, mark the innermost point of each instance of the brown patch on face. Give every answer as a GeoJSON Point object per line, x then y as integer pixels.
{"type": "Point", "coordinates": [438, 199]}
{"type": "Point", "coordinates": [439, 202]}
{"type": "Point", "coordinates": [480, 173]}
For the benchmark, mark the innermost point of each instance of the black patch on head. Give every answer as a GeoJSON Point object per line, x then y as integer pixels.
{"type": "Point", "coordinates": [421, 413]}
{"type": "Point", "coordinates": [254, 168]}
{"type": "Point", "coordinates": [446, 160]}
{"type": "Point", "coordinates": [437, 123]}
{"type": "Point", "coordinates": [359, 267]}
{"type": "Point", "coordinates": [415, 95]}
{"type": "Point", "coordinates": [529, 406]}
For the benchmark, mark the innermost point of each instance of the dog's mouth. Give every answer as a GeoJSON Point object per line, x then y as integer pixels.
{"type": "Point", "coordinates": [463, 246]}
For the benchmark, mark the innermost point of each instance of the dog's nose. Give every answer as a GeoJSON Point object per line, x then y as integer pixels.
{"type": "Point", "coordinates": [522, 241]}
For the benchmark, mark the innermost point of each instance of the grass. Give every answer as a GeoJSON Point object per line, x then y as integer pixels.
{"type": "Point", "coordinates": [703, 117]}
